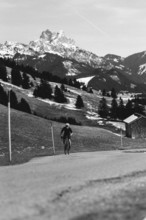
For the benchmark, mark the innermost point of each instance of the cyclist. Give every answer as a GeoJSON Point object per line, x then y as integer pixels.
{"type": "Point", "coordinates": [66, 134]}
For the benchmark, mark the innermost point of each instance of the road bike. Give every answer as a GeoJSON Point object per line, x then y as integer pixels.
{"type": "Point", "coordinates": [67, 145]}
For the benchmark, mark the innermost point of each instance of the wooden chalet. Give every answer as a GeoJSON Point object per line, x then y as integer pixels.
{"type": "Point", "coordinates": [135, 126]}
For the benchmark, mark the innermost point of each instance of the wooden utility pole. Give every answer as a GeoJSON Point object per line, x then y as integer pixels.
{"type": "Point", "coordinates": [52, 132]}
{"type": "Point", "coordinates": [9, 125]}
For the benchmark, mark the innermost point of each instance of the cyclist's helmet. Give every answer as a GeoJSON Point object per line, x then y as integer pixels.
{"type": "Point", "coordinates": [67, 124]}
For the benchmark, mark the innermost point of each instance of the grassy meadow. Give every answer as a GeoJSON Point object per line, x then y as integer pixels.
{"type": "Point", "coordinates": [31, 137]}
{"type": "Point", "coordinates": [55, 111]}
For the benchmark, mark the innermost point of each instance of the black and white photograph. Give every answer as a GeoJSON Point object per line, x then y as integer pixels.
{"type": "Point", "coordinates": [72, 110]}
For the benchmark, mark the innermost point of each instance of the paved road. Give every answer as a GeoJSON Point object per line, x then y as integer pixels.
{"type": "Point", "coordinates": [28, 190]}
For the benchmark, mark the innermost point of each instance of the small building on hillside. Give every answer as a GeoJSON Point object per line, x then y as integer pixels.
{"type": "Point", "coordinates": [135, 126]}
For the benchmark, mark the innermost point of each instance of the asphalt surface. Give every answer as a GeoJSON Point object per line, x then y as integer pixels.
{"type": "Point", "coordinates": [36, 190]}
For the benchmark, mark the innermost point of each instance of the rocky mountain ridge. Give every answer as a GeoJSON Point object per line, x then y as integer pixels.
{"type": "Point", "coordinates": [58, 54]}
{"type": "Point", "coordinates": [50, 42]}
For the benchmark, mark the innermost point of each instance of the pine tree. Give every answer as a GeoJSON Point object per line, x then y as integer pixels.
{"type": "Point", "coordinates": [62, 87]}
{"type": "Point", "coordinates": [71, 82]}
{"type": "Point", "coordinates": [138, 108]}
{"type": "Point", "coordinates": [76, 84]}
{"type": "Point", "coordinates": [90, 90]}
{"type": "Point", "coordinates": [121, 109]}
{"type": "Point", "coordinates": [113, 93]}
{"type": "Point", "coordinates": [59, 95]}
{"type": "Point", "coordinates": [103, 109]}
{"type": "Point", "coordinates": [25, 81]}
{"type": "Point", "coordinates": [44, 90]}
{"type": "Point", "coordinates": [13, 100]}
{"type": "Point", "coordinates": [103, 92]}
{"type": "Point", "coordinates": [3, 96]}
{"type": "Point", "coordinates": [79, 102]}
{"type": "Point", "coordinates": [24, 106]}
{"type": "Point", "coordinates": [16, 78]}
{"type": "Point", "coordinates": [114, 109]}
{"type": "Point", "coordinates": [3, 72]}
{"type": "Point", "coordinates": [129, 108]}
{"type": "Point", "coordinates": [36, 91]}
{"type": "Point", "coordinates": [84, 87]}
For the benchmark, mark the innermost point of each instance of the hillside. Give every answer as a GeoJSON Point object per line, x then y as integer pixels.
{"type": "Point", "coordinates": [48, 108]}
{"type": "Point", "coordinates": [31, 137]}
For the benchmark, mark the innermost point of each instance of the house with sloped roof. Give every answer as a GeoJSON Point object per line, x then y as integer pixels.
{"type": "Point", "coordinates": [135, 126]}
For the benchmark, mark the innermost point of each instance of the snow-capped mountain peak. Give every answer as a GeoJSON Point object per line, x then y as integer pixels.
{"type": "Point", "coordinates": [56, 43]}
{"type": "Point", "coordinates": [56, 38]}
{"type": "Point", "coordinates": [46, 35]}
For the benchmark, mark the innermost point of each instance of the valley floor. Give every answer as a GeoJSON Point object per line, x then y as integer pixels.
{"type": "Point", "coordinates": [93, 185]}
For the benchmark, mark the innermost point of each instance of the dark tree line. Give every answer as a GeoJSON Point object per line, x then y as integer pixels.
{"type": "Point", "coordinates": [59, 95]}
{"type": "Point", "coordinates": [119, 110]}
{"type": "Point", "coordinates": [111, 93]}
{"type": "Point", "coordinates": [27, 69]}
{"type": "Point", "coordinates": [79, 102]}
{"type": "Point", "coordinates": [21, 106]}
{"type": "Point", "coordinates": [3, 72]}
{"type": "Point", "coordinates": [45, 91]}
{"type": "Point", "coordinates": [20, 79]}
{"type": "Point", "coordinates": [3, 96]}
{"type": "Point", "coordinates": [17, 78]}
{"type": "Point", "coordinates": [45, 75]}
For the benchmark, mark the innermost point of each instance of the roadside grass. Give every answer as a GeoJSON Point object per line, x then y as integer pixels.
{"type": "Point", "coordinates": [127, 204]}
{"type": "Point", "coordinates": [31, 137]}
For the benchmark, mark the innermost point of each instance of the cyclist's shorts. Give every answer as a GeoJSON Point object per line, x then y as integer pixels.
{"type": "Point", "coordinates": [69, 137]}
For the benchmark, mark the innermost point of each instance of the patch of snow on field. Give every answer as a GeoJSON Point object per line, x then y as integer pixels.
{"type": "Point", "coordinates": [71, 73]}
{"type": "Point", "coordinates": [30, 94]}
{"type": "Point", "coordinates": [115, 78]}
{"type": "Point", "coordinates": [119, 125]}
{"type": "Point", "coordinates": [70, 105]}
{"type": "Point", "coordinates": [92, 115]}
{"type": "Point", "coordinates": [75, 92]}
{"type": "Point", "coordinates": [142, 69]}
{"type": "Point", "coordinates": [85, 80]}
{"type": "Point", "coordinates": [125, 97]}
{"type": "Point", "coordinates": [42, 56]}
{"type": "Point", "coordinates": [11, 85]}
{"type": "Point", "coordinates": [71, 101]}
{"type": "Point", "coordinates": [115, 60]}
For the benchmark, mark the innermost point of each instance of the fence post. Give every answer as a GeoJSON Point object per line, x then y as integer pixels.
{"type": "Point", "coordinates": [52, 132]}
{"type": "Point", "coordinates": [9, 125]}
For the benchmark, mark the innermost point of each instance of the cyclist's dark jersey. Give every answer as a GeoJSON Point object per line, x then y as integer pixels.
{"type": "Point", "coordinates": [66, 132]}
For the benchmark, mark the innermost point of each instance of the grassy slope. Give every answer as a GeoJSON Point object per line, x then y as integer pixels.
{"type": "Point", "coordinates": [53, 111]}
{"type": "Point", "coordinates": [30, 133]}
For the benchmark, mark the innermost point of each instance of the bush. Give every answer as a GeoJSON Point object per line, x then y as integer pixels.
{"type": "Point", "coordinates": [79, 102]}
{"type": "Point", "coordinates": [62, 119]}
{"type": "Point", "coordinates": [13, 100]}
{"type": "Point", "coordinates": [3, 72]}
{"type": "Point", "coordinates": [44, 90]}
{"type": "Point", "coordinates": [59, 95]}
{"type": "Point", "coordinates": [24, 106]}
{"type": "Point", "coordinates": [3, 96]}
{"type": "Point", "coordinates": [69, 120]}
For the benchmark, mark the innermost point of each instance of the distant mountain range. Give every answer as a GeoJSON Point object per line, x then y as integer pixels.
{"type": "Point", "coordinates": [58, 54]}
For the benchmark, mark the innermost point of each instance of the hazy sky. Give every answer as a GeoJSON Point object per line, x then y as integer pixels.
{"type": "Point", "coordinates": [100, 26]}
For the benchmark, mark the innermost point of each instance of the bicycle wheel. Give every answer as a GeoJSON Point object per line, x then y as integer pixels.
{"type": "Point", "coordinates": [67, 146]}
